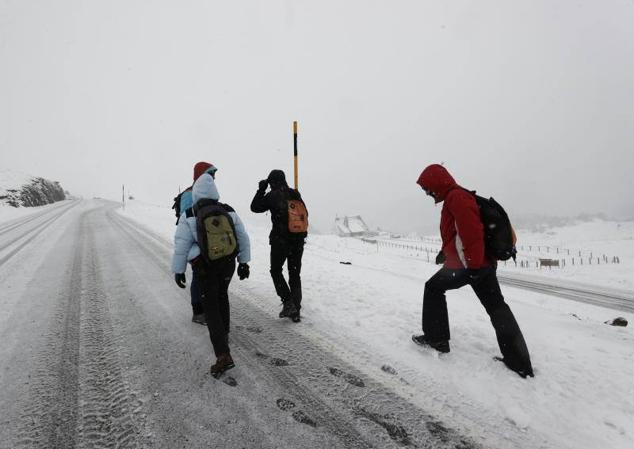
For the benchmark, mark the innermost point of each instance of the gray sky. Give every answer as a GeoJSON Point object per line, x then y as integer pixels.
{"type": "Point", "coordinates": [529, 101]}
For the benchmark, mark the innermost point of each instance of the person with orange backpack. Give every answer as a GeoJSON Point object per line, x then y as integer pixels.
{"type": "Point", "coordinates": [289, 218]}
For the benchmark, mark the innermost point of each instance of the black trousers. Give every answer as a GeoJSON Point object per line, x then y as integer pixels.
{"type": "Point", "coordinates": [197, 302]}
{"type": "Point", "coordinates": [214, 289]}
{"type": "Point", "coordinates": [291, 252]}
{"type": "Point", "coordinates": [487, 289]}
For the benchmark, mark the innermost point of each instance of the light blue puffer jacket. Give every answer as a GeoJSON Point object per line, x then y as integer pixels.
{"type": "Point", "coordinates": [185, 238]}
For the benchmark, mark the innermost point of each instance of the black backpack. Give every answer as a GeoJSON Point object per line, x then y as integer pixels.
{"type": "Point", "coordinates": [177, 206]}
{"type": "Point", "coordinates": [499, 236]}
{"type": "Point", "coordinates": [216, 231]}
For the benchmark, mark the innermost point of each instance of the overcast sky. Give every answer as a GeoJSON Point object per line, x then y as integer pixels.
{"type": "Point", "coordinates": [529, 101]}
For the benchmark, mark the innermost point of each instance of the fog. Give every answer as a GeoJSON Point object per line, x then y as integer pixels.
{"type": "Point", "coordinates": [529, 101]}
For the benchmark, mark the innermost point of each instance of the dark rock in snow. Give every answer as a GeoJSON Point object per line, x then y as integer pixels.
{"type": "Point", "coordinates": [619, 321]}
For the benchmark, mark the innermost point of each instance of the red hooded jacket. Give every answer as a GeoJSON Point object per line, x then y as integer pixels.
{"type": "Point", "coordinates": [461, 228]}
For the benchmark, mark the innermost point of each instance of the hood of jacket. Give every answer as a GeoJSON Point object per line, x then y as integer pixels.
{"type": "Point", "coordinates": [437, 180]}
{"type": "Point", "coordinates": [205, 188]}
{"type": "Point", "coordinates": [277, 179]}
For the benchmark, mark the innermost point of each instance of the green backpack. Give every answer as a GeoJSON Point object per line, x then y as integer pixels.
{"type": "Point", "coordinates": [216, 231]}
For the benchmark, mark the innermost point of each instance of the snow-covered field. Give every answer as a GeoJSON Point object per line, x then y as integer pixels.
{"type": "Point", "coordinates": [596, 253]}
{"type": "Point", "coordinates": [592, 240]}
{"type": "Point", "coordinates": [582, 395]}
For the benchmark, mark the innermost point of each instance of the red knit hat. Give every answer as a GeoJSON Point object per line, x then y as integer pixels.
{"type": "Point", "coordinates": [202, 167]}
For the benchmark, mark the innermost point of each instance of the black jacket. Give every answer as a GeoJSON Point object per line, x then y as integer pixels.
{"type": "Point", "coordinates": [276, 202]}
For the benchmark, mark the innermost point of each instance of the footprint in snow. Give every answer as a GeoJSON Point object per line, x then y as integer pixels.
{"type": "Point", "coordinates": [303, 418]}
{"type": "Point", "coordinates": [278, 362]}
{"type": "Point", "coordinates": [275, 361]}
{"type": "Point", "coordinates": [350, 378]}
{"type": "Point", "coordinates": [388, 369]}
{"type": "Point", "coordinates": [285, 405]}
{"type": "Point", "coordinates": [230, 381]}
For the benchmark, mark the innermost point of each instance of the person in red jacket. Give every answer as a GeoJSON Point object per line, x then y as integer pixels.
{"type": "Point", "coordinates": [465, 263]}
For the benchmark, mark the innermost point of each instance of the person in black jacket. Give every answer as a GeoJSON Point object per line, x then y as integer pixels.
{"type": "Point", "coordinates": [285, 245]}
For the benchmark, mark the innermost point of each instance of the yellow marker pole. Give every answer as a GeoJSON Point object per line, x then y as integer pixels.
{"type": "Point", "coordinates": [295, 154]}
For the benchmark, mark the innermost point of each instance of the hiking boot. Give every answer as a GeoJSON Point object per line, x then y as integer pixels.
{"type": "Point", "coordinates": [522, 372]}
{"type": "Point", "coordinates": [199, 318]}
{"type": "Point", "coordinates": [288, 309]}
{"type": "Point", "coordinates": [440, 345]}
{"type": "Point", "coordinates": [223, 363]}
{"type": "Point", "coordinates": [296, 318]}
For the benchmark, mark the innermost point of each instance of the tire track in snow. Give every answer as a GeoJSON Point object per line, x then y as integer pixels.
{"type": "Point", "coordinates": [326, 417]}
{"type": "Point", "coordinates": [107, 407]}
{"type": "Point", "coordinates": [78, 396]}
{"type": "Point", "coordinates": [12, 224]}
{"type": "Point", "coordinates": [32, 233]}
{"type": "Point", "coordinates": [360, 417]}
{"type": "Point", "coordinates": [50, 418]}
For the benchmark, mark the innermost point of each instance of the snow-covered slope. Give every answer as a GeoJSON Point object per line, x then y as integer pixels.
{"type": "Point", "coordinates": [581, 395]}
{"type": "Point", "coordinates": [12, 180]}
{"type": "Point", "coordinates": [19, 189]}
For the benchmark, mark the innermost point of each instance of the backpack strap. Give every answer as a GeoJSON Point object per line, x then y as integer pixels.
{"type": "Point", "coordinates": [189, 213]}
{"type": "Point", "coordinates": [226, 207]}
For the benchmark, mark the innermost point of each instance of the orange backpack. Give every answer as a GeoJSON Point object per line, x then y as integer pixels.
{"type": "Point", "coordinates": [297, 216]}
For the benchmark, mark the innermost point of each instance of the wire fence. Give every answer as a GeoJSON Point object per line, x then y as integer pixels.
{"type": "Point", "coordinates": [557, 256]}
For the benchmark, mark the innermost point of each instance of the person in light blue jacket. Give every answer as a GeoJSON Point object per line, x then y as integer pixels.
{"type": "Point", "coordinates": [182, 203]}
{"type": "Point", "coordinates": [213, 278]}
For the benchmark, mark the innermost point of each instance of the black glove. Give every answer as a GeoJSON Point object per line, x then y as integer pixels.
{"type": "Point", "coordinates": [243, 271]}
{"type": "Point", "coordinates": [262, 185]}
{"type": "Point", "coordinates": [180, 279]}
{"type": "Point", "coordinates": [440, 258]}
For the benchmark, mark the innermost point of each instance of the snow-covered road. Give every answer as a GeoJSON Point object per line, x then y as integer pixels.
{"type": "Point", "coordinates": [98, 351]}
{"type": "Point", "coordinates": [622, 301]}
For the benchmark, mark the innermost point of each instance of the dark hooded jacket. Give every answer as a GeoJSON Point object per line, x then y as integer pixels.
{"type": "Point", "coordinates": [461, 228]}
{"type": "Point", "coordinates": [276, 202]}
